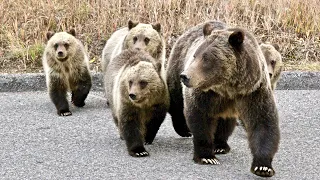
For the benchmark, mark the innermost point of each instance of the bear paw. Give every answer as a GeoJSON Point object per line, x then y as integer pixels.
{"type": "Point", "coordinates": [64, 113]}
{"type": "Point", "coordinates": [78, 104]}
{"type": "Point", "coordinates": [263, 171]}
{"type": "Point", "coordinates": [221, 148]}
{"type": "Point", "coordinates": [184, 132]}
{"type": "Point", "coordinates": [220, 151]}
{"type": "Point", "coordinates": [139, 152]}
{"type": "Point", "coordinates": [213, 161]}
{"type": "Point", "coordinates": [147, 143]}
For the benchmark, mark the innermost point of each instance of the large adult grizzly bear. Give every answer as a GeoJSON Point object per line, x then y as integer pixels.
{"type": "Point", "coordinates": [274, 62]}
{"type": "Point", "coordinates": [66, 65]}
{"type": "Point", "coordinates": [138, 97]}
{"type": "Point", "coordinates": [224, 76]}
{"type": "Point", "coordinates": [137, 36]}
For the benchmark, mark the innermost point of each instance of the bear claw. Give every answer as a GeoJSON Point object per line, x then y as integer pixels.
{"type": "Point", "coordinates": [263, 171]}
{"type": "Point", "coordinates": [210, 161]}
{"type": "Point", "coordinates": [142, 154]}
{"type": "Point", "coordinates": [64, 113]}
{"type": "Point", "coordinates": [220, 151]}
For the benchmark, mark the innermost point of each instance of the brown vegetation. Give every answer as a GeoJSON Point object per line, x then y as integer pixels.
{"type": "Point", "coordinates": [293, 24]}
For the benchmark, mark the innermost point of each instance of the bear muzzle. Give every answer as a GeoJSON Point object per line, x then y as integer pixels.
{"type": "Point", "coordinates": [61, 56]}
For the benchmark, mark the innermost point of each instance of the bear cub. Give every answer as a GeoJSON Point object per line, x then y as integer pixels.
{"type": "Point", "coordinates": [138, 36]}
{"type": "Point", "coordinates": [274, 62]}
{"type": "Point", "coordinates": [66, 65]}
{"type": "Point", "coordinates": [138, 97]}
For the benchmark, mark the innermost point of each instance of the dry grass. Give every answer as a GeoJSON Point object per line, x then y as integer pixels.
{"type": "Point", "coordinates": [293, 24]}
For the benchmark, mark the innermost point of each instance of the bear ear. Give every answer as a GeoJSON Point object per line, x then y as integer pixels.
{"type": "Point", "coordinates": [50, 34]}
{"type": "Point", "coordinates": [72, 32]}
{"type": "Point", "coordinates": [207, 29]}
{"type": "Point", "coordinates": [132, 24]}
{"type": "Point", "coordinates": [157, 27]}
{"type": "Point", "coordinates": [276, 46]}
{"type": "Point", "coordinates": [236, 38]}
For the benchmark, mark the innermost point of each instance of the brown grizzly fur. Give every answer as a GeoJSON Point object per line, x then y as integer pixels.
{"type": "Point", "coordinates": [224, 76]}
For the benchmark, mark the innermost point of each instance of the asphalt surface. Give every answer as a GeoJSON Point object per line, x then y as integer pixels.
{"type": "Point", "coordinates": [35, 143]}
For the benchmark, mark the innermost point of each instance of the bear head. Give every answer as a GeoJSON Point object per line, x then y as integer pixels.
{"type": "Point", "coordinates": [273, 59]}
{"type": "Point", "coordinates": [144, 37]}
{"type": "Point", "coordinates": [229, 62]}
{"type": "Point", "coordinates": [62, 44]}
{"type": "Point", "coordinates": [142, 82]}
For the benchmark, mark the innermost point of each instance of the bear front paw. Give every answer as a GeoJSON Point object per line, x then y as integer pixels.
{"type": "Point", "coordinates": [213, 161]}
{"type": "Point", "coordinates": [64, 113]}
{"type": "Point", "coordinates": [78, 103]}
{"type": "Point", "coordinates": [184, 132]}
{"type": "Point", "coordinates": [221, 149]}
{"type": "Point", "coordinates": [263, 171]}
{"type": "Point", "coordinates": [140, 152]}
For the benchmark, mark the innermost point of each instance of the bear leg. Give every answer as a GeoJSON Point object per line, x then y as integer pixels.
{"type": "Point", "coordinates": [131, 132]}
{"type": "Point", "coordinates": [261, 120]}
{"type": "Point", "coordinates": [58, 93]}
{"type": "Point", "coordinates": [154, 124]}
{"type": "Point", "coordinates": [202, 129]}
{"type": "Point", "coordinates": [82, 90]}
{"type": "Point", "coordinates": [178, 119]}
{"type": "Point", "coordinates": [224, 130]}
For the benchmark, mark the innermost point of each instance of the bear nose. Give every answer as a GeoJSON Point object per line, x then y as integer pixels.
{"type": "Point", "coordinates": [184, 78]}
{"type": "Point", "coordinates": [270, 74]}
{"type": "Point", "coordinates": [132, 96]}
{"type": "Point", "coordinates": [60, 53]}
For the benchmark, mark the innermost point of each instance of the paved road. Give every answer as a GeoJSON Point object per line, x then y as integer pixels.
{"type": "Point", "coordinates": [37, 144]}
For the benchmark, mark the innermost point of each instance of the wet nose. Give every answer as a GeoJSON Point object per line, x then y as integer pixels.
{"type": "Point", "coordinates": [132, 96]}
{"type": "Point", "coordinates": [60, 53]}
{"type": "Point", "coordinates": [137, 48]}
{"type": "Point", "coordinates": [184, 78]}
{"type": "Point", "coordinates": [270, 75]}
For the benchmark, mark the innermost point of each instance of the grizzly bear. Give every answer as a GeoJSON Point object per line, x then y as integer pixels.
{"type": "Point", "coordinates": [138, 97]}
{"type": "Point", "coordinates": [66, 65]}
{"type": "Point", "coordinates": [215, 75]}
{"type": "Point", "coordinates": [137, 36]}
{"type": "Point", "coordinates": [274, 62]}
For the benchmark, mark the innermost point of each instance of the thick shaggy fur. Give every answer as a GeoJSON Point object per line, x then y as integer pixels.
{"type": "Point", "coordinates": [137, 36]}
{"type": "Point", "coordinates": [66, 66]}
{"type": "Point", "coordinates": [274, 62]}
{"type": "Point", "coordinates": [138, 97]}
{"type": "Point", "coordinates": [224, 76]}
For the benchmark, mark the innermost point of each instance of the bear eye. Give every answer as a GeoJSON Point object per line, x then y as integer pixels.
{"type": "Point", "coordinates": [130, 83]}
{"type": "Point", "coordinates": [272, 62]}
{"type": "Point", "coordinates": [143, 84]}
{"type": "Point", "coordinates": [55, 46]}
{"type": "Point", "coordinates": [135, 39]}
{"type": "Point", "coordinates": [146, 40]}
{"type": "Point", "coordinates": [66, 45]}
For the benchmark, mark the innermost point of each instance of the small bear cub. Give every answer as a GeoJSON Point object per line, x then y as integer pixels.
{"type": "Point", "coordinates": [138, 97]}
{"type": "Point", "coordinates": [66, 65]}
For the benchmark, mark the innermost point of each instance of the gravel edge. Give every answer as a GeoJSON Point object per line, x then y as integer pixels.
{"type": "Point", "coordinates": [290, 80]}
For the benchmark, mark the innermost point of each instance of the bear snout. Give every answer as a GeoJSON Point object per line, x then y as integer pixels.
{"type": "Point", "coordinates": [185, 80]}
{"type": "Point", "coordinates": [60, 54]}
